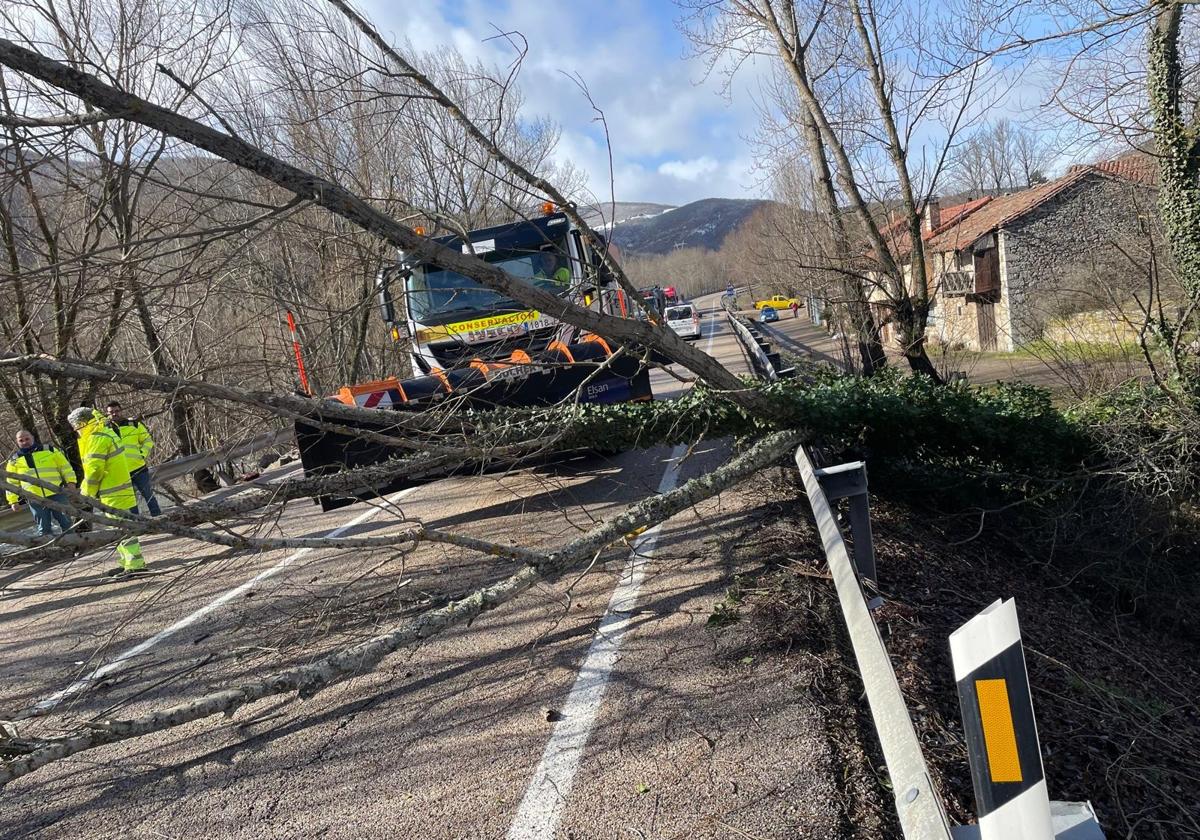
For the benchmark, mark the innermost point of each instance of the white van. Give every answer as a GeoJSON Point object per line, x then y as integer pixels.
{"type": "Point", "coordinates": [684, 319]}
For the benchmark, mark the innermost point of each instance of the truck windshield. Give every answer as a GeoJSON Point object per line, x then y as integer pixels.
{"type": "Point", "coordinates": [436, 295]}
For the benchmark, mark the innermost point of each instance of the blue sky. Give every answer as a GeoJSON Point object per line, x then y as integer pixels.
{"type": "Point", "coordinates": [675, 138]}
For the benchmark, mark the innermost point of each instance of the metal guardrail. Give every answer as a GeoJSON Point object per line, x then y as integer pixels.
{"type": "Point", "coordinates": [170, 470]}
{"type": "Point", "coordinates": [765, 363]}
{"type": "Point", "coordinates": [1010, 786]}
{"type": "Point", "coordinates": [918, 805]}
{"type": "Point", "coordinates": [757, 355]}
{"type": "Point", "coordinates": [922, 816]}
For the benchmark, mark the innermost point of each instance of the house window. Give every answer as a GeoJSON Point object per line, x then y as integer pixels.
{"type": "Point", "coordinates": [965, 261]}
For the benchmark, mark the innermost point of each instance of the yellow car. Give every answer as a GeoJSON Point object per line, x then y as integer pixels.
{"type": "Point", "coordinates": [779, 303]}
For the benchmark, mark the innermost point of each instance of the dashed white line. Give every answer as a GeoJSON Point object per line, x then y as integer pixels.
{"type": "Point", "coordinates": [120, 661]}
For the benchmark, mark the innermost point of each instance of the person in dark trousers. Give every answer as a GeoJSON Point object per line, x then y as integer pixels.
{"type": "Point", "coordinates": [48, 464]}
{"type": "Point", "coordinates": [136, 440]}
{"type": "Point", "coordinates": [660, 298]}
{"type": "Point", "coordinates": [795, 307]}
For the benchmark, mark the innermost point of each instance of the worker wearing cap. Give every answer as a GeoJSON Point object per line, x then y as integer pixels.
{"type": "Point", "coordinates": [48, 465]}
{"type": "Point", "coordinates": [135, 437]}
{"type": "Point", "coordinates": [106, 476]}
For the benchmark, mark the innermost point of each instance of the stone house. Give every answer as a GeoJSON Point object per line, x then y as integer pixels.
{"type": "Point", "coordinates": [1057, 253]}
{"type": "Point", "coordinates": [934, 220]}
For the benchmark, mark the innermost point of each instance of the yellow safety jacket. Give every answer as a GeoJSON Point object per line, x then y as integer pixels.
{"type": "Point", "coordinates": [561, 277]}
{"type": "Point", "coordinates": [46, 463]}
{"type": "Point", "coordinates": [135, 437]}
{"type": "Point", "coordinates": [105, 471]}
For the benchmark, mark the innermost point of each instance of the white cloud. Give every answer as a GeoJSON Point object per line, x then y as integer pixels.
{"type": "Point", "coordinates": [689, 170]}
{"type": "Point", "coordinates": [674, 137]}
{"type": "Point", "coordinates": [672, 182]}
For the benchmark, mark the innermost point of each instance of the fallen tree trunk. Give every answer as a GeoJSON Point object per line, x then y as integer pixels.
{"type": "Point", "coordinates": [338, 200]}
{"type": "Point", "coordinates": [362, 658]}
{"type": "Point", "coordinates": [894, 418]}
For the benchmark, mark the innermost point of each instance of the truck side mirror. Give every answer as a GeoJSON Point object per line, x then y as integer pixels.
{"type": "Point", "coordinates": [387, 306]}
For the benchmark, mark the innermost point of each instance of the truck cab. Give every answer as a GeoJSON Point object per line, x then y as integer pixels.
{"type": "Point", "coordinates": [451, 319]}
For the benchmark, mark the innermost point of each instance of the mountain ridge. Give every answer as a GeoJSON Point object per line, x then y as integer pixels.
{"type": "Point", "coordinates": [699, 224]}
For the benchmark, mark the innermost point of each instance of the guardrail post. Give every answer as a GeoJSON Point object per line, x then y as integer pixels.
{"type": "Point", "coordinates": [849, 481]}
{"type": "Point", "coordinates": [1011, 795]}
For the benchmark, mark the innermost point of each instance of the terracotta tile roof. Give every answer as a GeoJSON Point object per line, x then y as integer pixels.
{"type": "Point", "coordinates": [1000, 211]}
{"type": "Point", "coordinates": [954, 215]}
{"type": "Point", "coordinates": [1135, 166]}
{"type": "Point", "coordinates": [896, 233]}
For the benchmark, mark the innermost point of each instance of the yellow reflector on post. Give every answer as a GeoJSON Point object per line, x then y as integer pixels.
{"type": "Point", "coordinates": [1004, 764]}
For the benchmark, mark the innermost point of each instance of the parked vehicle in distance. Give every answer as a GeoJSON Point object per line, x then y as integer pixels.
{"type": "Point", "coordinates": [655, 298]}
{"type": "Point", "coordinates": [767, 314]}
{"type": "Point", "coordinates": [684, 319]}
{"type": "Point", "coordinates": [777, 302]}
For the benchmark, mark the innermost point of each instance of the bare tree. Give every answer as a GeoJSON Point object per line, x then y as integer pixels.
{"type": "Point", "coordinates": [208, 262]}
{"type": "Point", "coordinates": [89, 198]}
{"type": "Point", "coordinates": [305, 185]}
{"type": "Point", "coordinates": [1134, 79]}
{"type": "Point", "coordinates": [1174, 94]}
{"type": "Point", "coordinates": [872, 84]}
{"type": "Point", "coordinates": [999, 157]}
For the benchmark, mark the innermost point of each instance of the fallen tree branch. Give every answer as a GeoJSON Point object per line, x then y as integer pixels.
{"type": "Point", "coordinates": [340, 201]}
{"type": "Point", "coordinates": [131, 523]}
{"type": "Point", "coordinates": [901, 419]}
{"type": "Point", "coordinates": [307, 680]}
{"type": "Point", "coordinates": [63, 121]}
{"type": "Point", "coordinates": [292, 407]}
{"type": "Point", "coordinates": [194, 513]}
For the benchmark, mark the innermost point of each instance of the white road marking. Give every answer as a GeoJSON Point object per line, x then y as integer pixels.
{"type": "Point", "coordinates": [115, 665]}
{"type": "Point", "coordinates": [541, 808]}
{"type": "Point", "coordinates": [712, 328]}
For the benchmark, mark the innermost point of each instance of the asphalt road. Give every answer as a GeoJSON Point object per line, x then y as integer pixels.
{"type": "Point", "coordinates": [596, 706]}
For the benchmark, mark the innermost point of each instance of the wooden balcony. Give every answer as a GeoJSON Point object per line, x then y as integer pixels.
{"type": "Point", "coordinates": [984, 280]}
{"type": "Point", "coordinates": [958, 283]}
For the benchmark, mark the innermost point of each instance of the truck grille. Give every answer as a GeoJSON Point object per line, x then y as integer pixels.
{"type": "Point", "coordinates": [456, 354]}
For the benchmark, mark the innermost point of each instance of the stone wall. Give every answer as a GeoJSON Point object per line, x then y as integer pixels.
{"type": "Point", "coordinates": [1066, 256]}
{"type": "Point", "coordinates": [953, 322]}
{"type": "Point", "coordinates": [1103, 326]}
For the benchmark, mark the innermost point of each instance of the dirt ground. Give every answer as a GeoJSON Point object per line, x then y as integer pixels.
{"type": "Point", "coordinates": [1115, 698]}
{"type": "Point", "coordinates": [1075, 372]}
{"type": "Point", "coordinates": [779, 612]}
